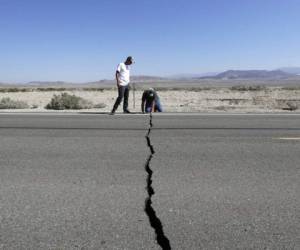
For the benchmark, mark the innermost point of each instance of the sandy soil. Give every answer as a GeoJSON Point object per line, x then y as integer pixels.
{"type": "Point", "coordinates": [271, 99]}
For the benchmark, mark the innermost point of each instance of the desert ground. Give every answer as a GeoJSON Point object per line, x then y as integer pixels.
{"type": "Point", "coordinates": [201, 99]}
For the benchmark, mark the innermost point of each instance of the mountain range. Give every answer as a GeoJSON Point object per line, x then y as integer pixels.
{"type": "Point", "coordinates": [278, 74]}
{"type": "Point", "coordinates": [285, 73]}
{"type": "Point", "coordinates": [251, 74]}
{"type": "Point", "coordinates": [291, 70]}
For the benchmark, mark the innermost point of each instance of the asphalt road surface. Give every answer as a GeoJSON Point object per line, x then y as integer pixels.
{"type": "Point", "coordinates": [78, 181]}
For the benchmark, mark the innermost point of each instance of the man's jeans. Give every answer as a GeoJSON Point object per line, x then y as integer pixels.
{"type": "Point", "coordinates": [157, 107]}
{"type": "Point", "coordinates": [123, 92]}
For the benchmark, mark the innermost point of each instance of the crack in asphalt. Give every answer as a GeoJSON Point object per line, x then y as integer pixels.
{"type": "Point", "coordinates": [155, 222]}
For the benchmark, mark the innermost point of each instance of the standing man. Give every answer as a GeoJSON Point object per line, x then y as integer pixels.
{"type": "Point", "coordinates": [123, 79]}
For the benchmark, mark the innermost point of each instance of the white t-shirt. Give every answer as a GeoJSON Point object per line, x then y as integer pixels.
{"type": "Point", "coordinates": [124, 76]}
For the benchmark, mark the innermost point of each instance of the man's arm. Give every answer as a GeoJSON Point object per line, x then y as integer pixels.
{"type": "Point", "coordinates": [143, 102]}
{"type": "Point", "coordinates": [117, 78]}
{"type": "Point", "coordinates": [156, 98]}
{"type": "Point", "coordinates": [153, 106]}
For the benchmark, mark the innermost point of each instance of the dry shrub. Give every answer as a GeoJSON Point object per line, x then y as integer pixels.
{"type": "Point", "coordinates": [7, 103]}
{"type": "Point", "coordinates": [67, 101]}
{"type": "Point", "coordinates": [292, 106]}
{"type": "Point", "coordinates": [248, 88]}
{"type": "Point", "coordinates": [100, 105]}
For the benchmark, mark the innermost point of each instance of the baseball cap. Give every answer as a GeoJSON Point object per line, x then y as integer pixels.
{"type": "Point", "coordinates": [130, 58]}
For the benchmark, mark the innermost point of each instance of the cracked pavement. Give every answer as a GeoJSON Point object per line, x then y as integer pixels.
{"type": "Point", "coordinates": [78, 181]}
{"type": "Point", "coordinates": [155, 222]}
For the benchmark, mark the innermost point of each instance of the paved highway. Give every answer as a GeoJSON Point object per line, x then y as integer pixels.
{"type": "Point", "coordinates": [78, 181]}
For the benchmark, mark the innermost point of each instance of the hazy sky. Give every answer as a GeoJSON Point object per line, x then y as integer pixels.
{"type": "Point", "coordinates": [84, 40]}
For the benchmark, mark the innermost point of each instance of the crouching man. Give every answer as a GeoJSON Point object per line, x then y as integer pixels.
{"type": "Point", "coordinates": [150, 101]}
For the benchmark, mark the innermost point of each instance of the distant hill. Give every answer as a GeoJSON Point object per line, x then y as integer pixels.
{"type": "Point", "coordinates": [251, 74]}
{"type": "Point", "coordinates": [192, 76]}
{"type": "Point", "coordinates": [42, 83]}
{"type": "Point", "coordinates": [103, 82]}
{"type": "Point", "coordinates": [291, 70]}
{"type": "Point", "coordinates": [143, 78]}
{"type": "Point", "coordinates": [230, 77]}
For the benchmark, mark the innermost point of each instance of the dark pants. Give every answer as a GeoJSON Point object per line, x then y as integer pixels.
{"type": "Point", "coordinates": [123, 92]}
{"type": "Point", "coordinates": [157, 107]}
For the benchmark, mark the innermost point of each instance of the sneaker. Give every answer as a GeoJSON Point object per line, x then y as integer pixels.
{"type": "Point", "coordinates": [112, 113]}
{"type": "Point", "coordinates": [126, 111]}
